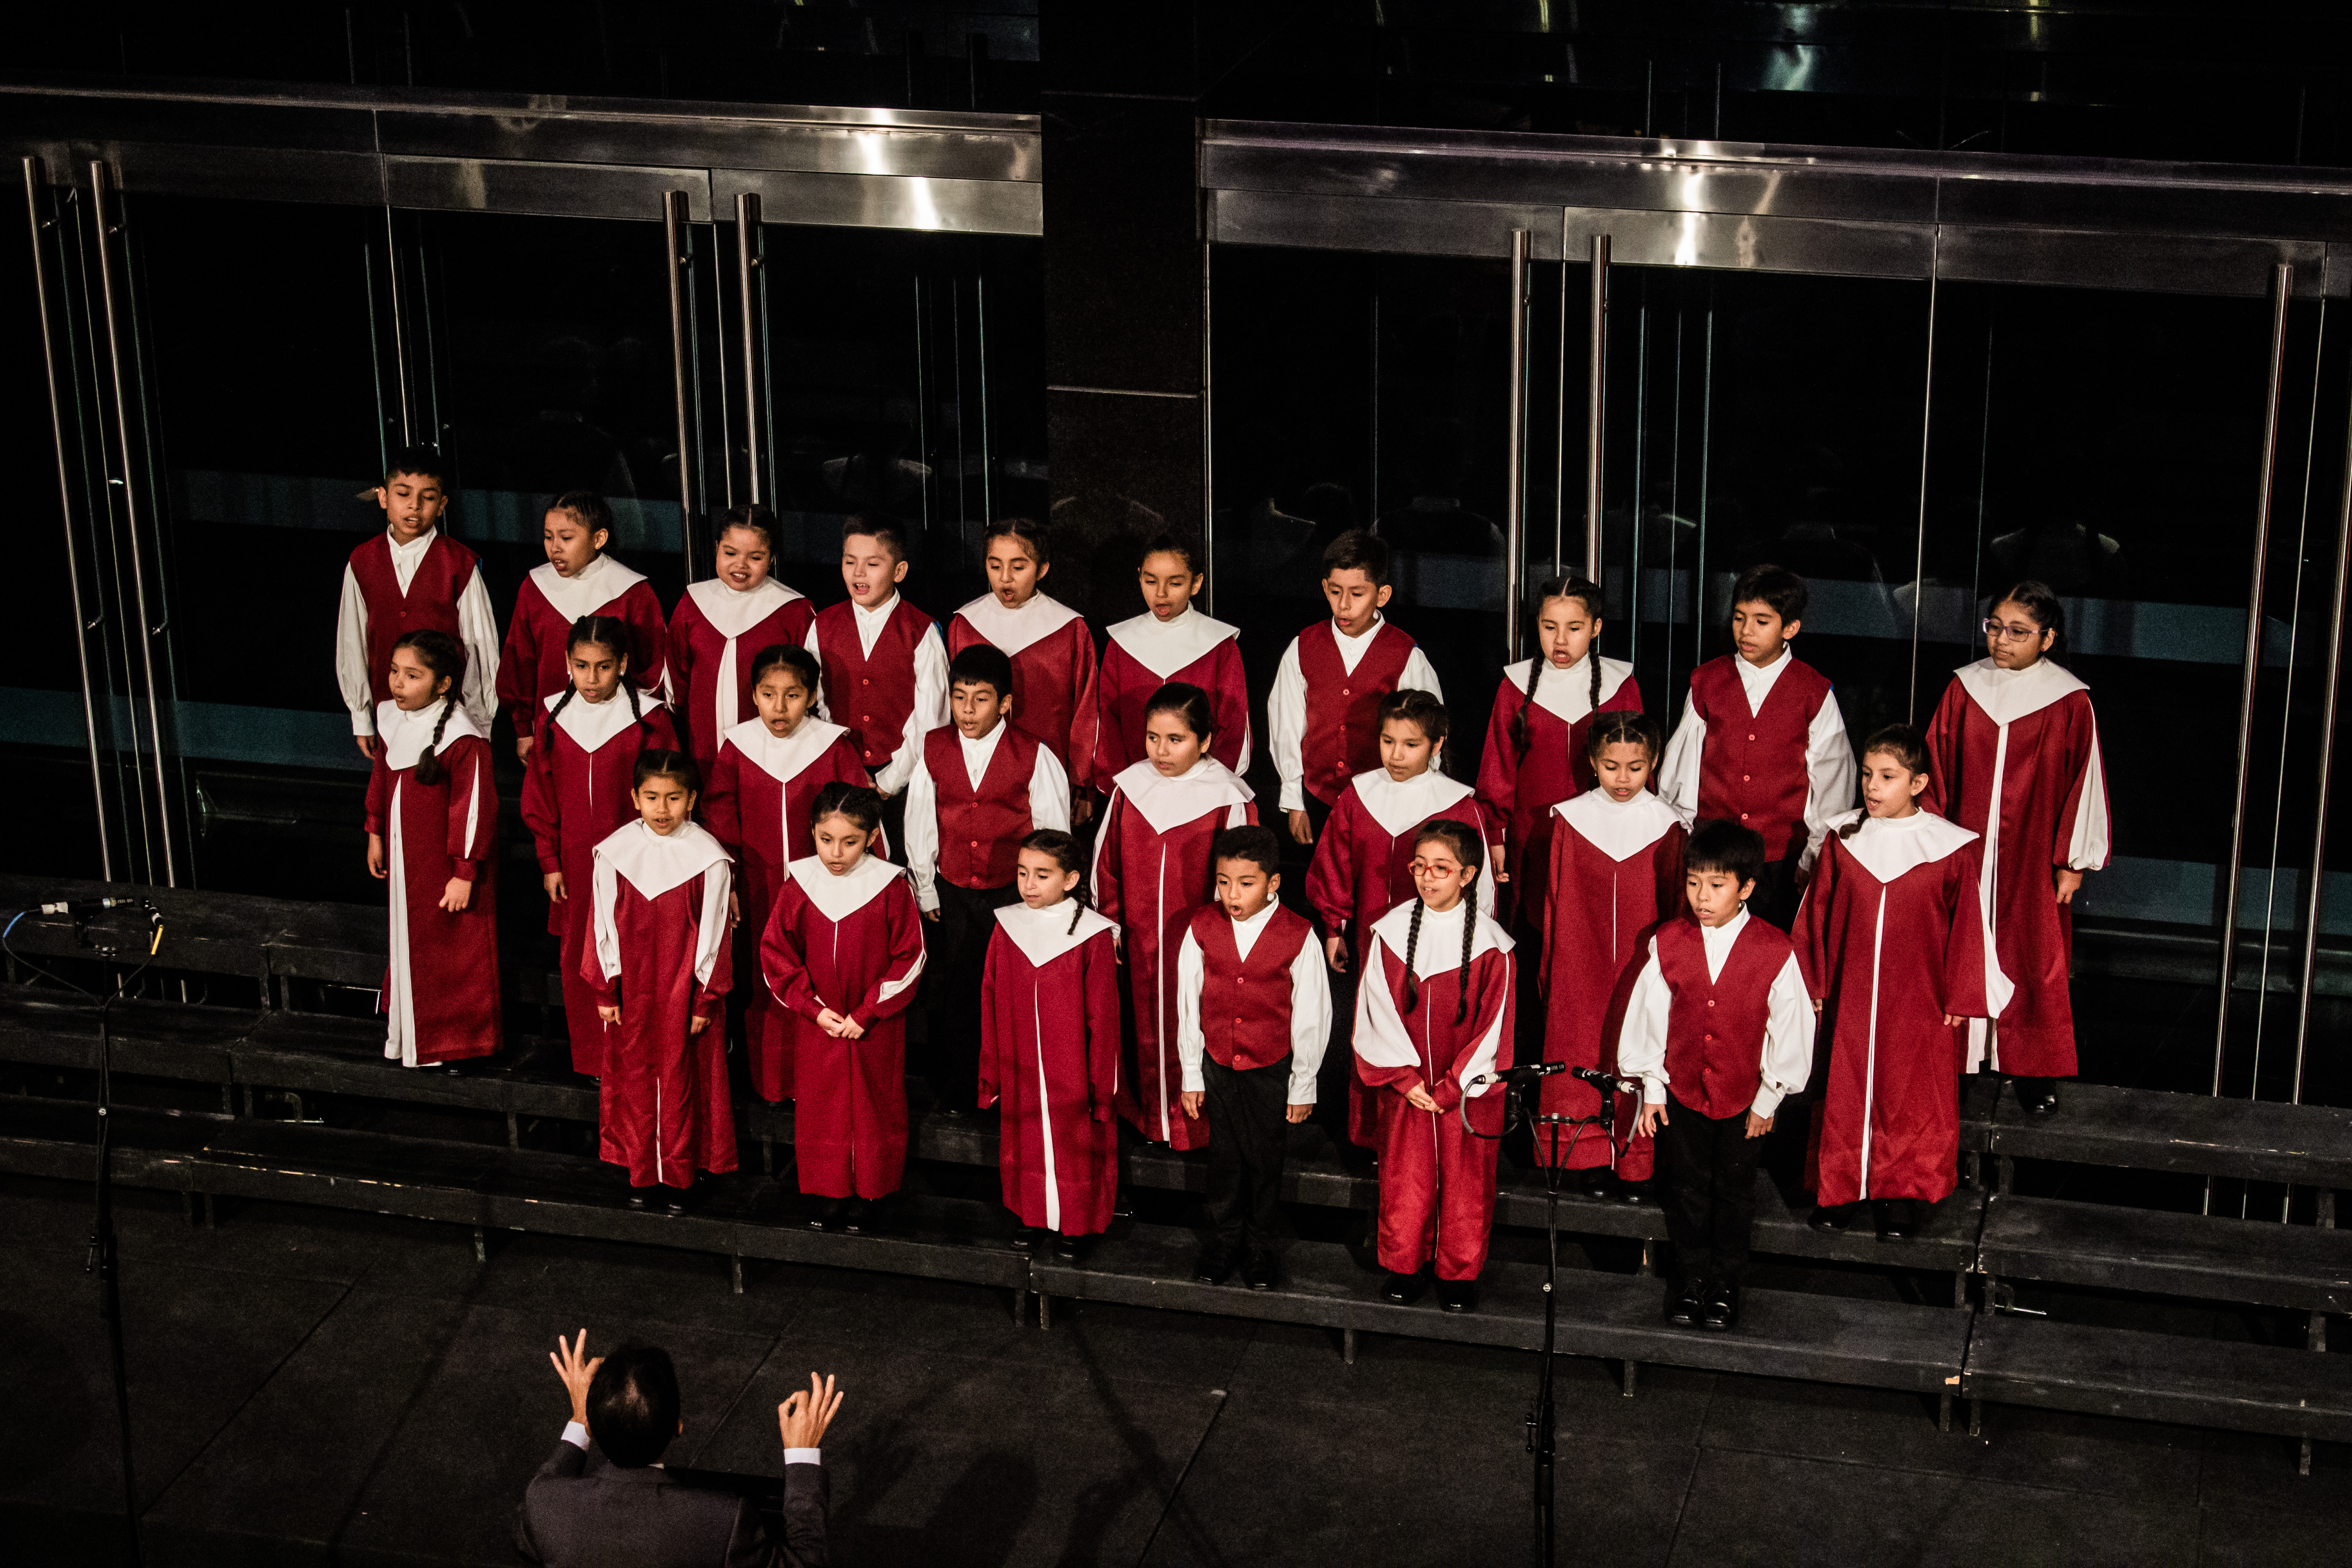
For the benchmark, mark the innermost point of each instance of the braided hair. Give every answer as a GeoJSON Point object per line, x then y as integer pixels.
{"type": "Point", "coordinates": [1069, 855]}
{"type": "Point", "coordinates": [611, 634]}
{"type": "Point", "coordinates": [444, 656]}
{"type": "Point", "coordinates": [1626, 727]}
{"type": "Point", "coordinates": [1583, 591]}
{"type": "Point", "coordinates": [1463, 841]}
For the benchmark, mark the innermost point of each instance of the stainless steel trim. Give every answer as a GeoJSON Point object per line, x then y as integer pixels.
{"type": "Point", "coordinates": [1919, 551]}
{"type": "Point", "coordinates": [2316, 881]}
{"type": "Point", "coordinates": [674, 230]}
{"type": "Point", "coordinates": [747, 225]}
{"type": "Point", "coordinates": [1560, 418]}
{"type": "Point", "coordinates": [1514, 483]}
{"type": "Point", "coordinates": [1596, 397]}
{"type": "Point", "coordinates": [1208, 429]}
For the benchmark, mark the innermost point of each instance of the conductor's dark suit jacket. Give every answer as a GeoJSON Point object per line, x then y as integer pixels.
{"type": "Point", "coordinates": [580, 1511]}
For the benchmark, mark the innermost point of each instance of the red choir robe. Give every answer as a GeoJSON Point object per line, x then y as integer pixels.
{"type": "Point", "coordinates": [1152, 870]}
{"type": "Point", "coordinates": [431, 583]}
{"type": "Point", "coordinates": [756, 802]}
{"type": "Point", "coordinates": [1616, 873]}
{"type": "Point", "coordinates": [1053, 656]}
{"type": "Point", "coordinates": [1049, 1056]}
{"type": "Point", "coordinates": [441, 984]}
{"type": "Point", "coordinates": [1437, 1181]}
{"type": "Point", "coordinates": [660, 953]}
{"type": "Point", "coordinates": [1894, 933]}
{"type": "Point", "coordinates": [537, 664]}
{"type": "Point", "coordinates": [853, 944]}
{"type": "Point", "coordinates": [575, 792]}
{"type": "Point", "coordinates": [1362, 870]}
{"type": "Point", "coordinates": [714, 635]}
{"type": "Point", "coordinates": [1521, 787]}
{"type": "Point", "coordinates": [2029, 739]}
{"type": "Point", "coordinates": [1145, 654]}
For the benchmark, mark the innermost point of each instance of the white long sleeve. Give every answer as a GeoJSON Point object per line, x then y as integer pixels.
{"type": "Point", "coordinates": [1310, 1019]}
{"type": "Point", "coordinates": [1787, 1056]}
{"type": "Point", "coordinates": [478, 630]}
{"type": "Point", "coordinates": [714, 929]}
{"type": "Point", "coordinates": [1829, 773]}
{"type": "Point", "coordinates": [1049, 793]}
{"type": "Point", "coordinates": [931, 711]}
{"type": "Point", "coordinates": [1192, 971]}
{"type": "Point", "coordinates": [353, 676]}
{"type": "Point", "coordinates": [1678, 768]}
{"type": "Point", "coordinates": [816, 652]}
{"type": "Point", "coordinates": [1285, 726]}
{"type": "Point", "coordinates": [606, 893]}
{"type": "Point", "coordinates": [922, 833]}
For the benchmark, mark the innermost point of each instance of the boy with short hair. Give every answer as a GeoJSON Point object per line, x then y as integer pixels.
{"type": "Point", "coordinates": [979, 785]}
{"type": "Point", "coordinates": [413, 578]}
{"type": "Point", "coordinates": [1720, 1030]}
{"type": "Point", "coordinates": [1253, 1012]}
{"type": "Point", "coordinates": [1323, 715]}
{"type": "Point", "coordinates": [886, 669]}
{"type": "Point", "coordinates": [1762, 742]}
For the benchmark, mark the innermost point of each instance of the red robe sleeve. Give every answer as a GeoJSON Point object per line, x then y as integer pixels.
{"type": "Point", "coordinates": [1810, 932]}
{"type": "Point", "coordinates": [1101, 956]}
{"type": "Point", "coordinates": [721, 802]}
{"type": "Point", "coordinates": [1331, 873]}
{"type": "Point", "coordinates": [1229, 703]}
{"type": "Point", "coordinates": [542, 812]}
{"type": "Point", "coordinates": [997, 1039]}
{"type": "Point", "coordinates": [642, 610]}
{"type": "Point", "coordinates": [1108, 843]}
{"type": "Point", "coordinates": [902, 925]}
{"type": "Point", "coordinates": [1965, 959]}
{"type": "Point", "coordinates": [1556, 892]}
{"type": "Point", "coordinates": [519, 663]}
{"type": "Point", "coordinates": [473, 806]}
{"type": "Point", "coordinates": [783, 964]}
{"type": "Point", "coordinates": [661, 732]}
{"type": "Point", "coordinates": [1944, 739]}
{"type": "Point", "coordinates": [1492, 1004]}
{"type": "Point", "coordinates": [1498, 764]}
{"type": "Point", "coordinates": [1086, 718]}
{"type": "Point", "coordinates": [1667, 861]}
{"type": "Point", "coordinates": [379, 798]}
{"type": "Point", "coordinates": [711, 997]}
{"type": "Point", "coordinates": [678, 648]}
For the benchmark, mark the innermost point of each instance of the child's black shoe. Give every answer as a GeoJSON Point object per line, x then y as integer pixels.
{"type": "Point", "coordinates": [857, 1215]}
{"type": "Point", "coordinates": [1216, 1265]}
{"type": "Point", "coordinates": [1024, 1237]}
{"type": "Point", "coordinates": [1722, 1309]}
{"type": "Point", "coordinates": [1403, 1288]}
{"type": "Point", "coordinates": [1600, 1182]}
{"type": "Point", "coordinates": [1260, 1273]}
{"type": "Point", "coordinates": [1898, 1219]}
{"type": "Point", "coordinates": [1072, 1248]}
{"type": "Point", "coordinates": [1832, 1219]}
{"type": "Point", "coordinates": [1684, 1304]}
{"type": "Point", "coordinates": [828, 1215]}
{"type": "Point", "coordinates": [1637, 1193]}
{"type": "Point", "coordinates": [2037, 1095]}
{"type": "Point", "coordinates": [1458, 1295]}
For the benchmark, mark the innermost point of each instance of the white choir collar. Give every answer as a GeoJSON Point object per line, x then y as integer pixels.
{"type": "Point", "coordinates": [1043, 935]}
{"type": "Point", "coordinates": [731, 613]}
{"type": "Point", "coordinates": [1567, 694]}
{"type": "Point", "coordinates": [1009, 631]}
{"type": "Point", "coordinates": [599, 583]}
{"type": "Point", "coordinates": [783, 757]}
{"type": "Point", "coordinates": [403, 735]}
{"type": "Point", "coordinates": [652, 863]}
{"type": "Point", "coordinates": [1619, 830]}
{"type": "Point", "coordinates": [1439, 947]}
{"type": "Point", "coordinates": [1170, 803]}
{"type": "Point", "coordinates": [1886, 848]}
{"type": "Point", "coordinates": [591, 724]}
{"type": "Point", "coordinates": [1345, 641]}
{"type": "Point", "coordinates": [2008, 695]}
{"type": "Point", "coordinates": [1164, 648]}
{"type": "Point", "coordinates": [1400, 808]}
{"type": "Point", "coordinates": [839, 897]}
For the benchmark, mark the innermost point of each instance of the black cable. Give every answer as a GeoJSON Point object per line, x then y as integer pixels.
{"type": "Point", "coordinates": [5, 932]}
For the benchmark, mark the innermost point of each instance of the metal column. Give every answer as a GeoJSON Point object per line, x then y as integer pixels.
{"type": "Point", "coordinates": [746, 265]}
{"type": "Point", "coordinates": [1515, 489]}
{"type": "Point", "coordinates": [674, 230]}
{"type": "Point", "coordinates": [1595, 407]}
{"type": "Point", "coordinates": [2313, 899]}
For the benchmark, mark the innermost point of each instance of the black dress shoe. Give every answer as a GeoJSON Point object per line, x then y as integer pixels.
{"type": "Point", "coordinates": [678, 1197]}
{"type": "Point", "coordinates": [1898, 1219]}
{"type": "Point", "coordinates": [1600, 1182]}
{"type": "Point", "coordinates": [828, 1215]}
{"type": "Point", "coordinates": [1722, 1311]}
{"type": "Point", "coordinates": [1457, 1295]}
{"type": "Point", "coordinates": [1684, 1304]}
{"type": "Point", "coordinates": [1637, 1193]}
{"type": "Point", "coordinates": [1024, 1237]}
{"type": "Point", "coordinates": [1259, 1275]}
{"type": "Point", "coordinates": [953, 1113]}
{"type": "Point", "coordinates": [857, 1215]}
{"type": "Point", "coordinates": [2037, 1095]}
{"type": "Point", "coordinates": [1070, 1248]}
{"type": "Point", "coordinates": [1404, 1289]}
{"type": "Point", "coordinates": [1832, 1219]}
{"type": "Point", "coordinates": [1216, 1265]}
{"type": "Point", "coordinates": [637, 1197]}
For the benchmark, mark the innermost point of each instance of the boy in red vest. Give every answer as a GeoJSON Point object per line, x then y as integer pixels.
{"type": "Point", "coordinates": [413, 578]}
{"type": "Point", "coordinates": [1323, 716]}
{"type": "Point", "coordinates": [1253, 1012]}
{"type": "Point", "coordinates": [977, 787]}
{"type": "Point", "coordinates": [1762, 742]}
{"type": "Point", "coordinates": [886, 669]}
{"type": "Point", "coordinates": [1719, 1029]}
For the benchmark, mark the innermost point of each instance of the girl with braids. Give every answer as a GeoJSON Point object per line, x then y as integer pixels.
{"type": "Point", "coordinates": [1152, 868]}
{"type": "Point", "coordinates": [1434, 1011]}
{"type": "Point", "coordinates": [432, 827]}
{"type": "Point", "coordinates": [577, 579]}
{"type": "Point", "coordinates": [1052, 651]}
{"type": "Point", "coordinates": [1616, 872]}
{"type": "Point", "coordinates": [1363, 859]}
{"type": "Point", "coordinates": [720, 621]}
{"type": "Point", "coordinates": [1535, 740]}
{"type": "Point", "coordinates": [576, 785]}
{"type": "Point", "coordinates": [1049, 1048]}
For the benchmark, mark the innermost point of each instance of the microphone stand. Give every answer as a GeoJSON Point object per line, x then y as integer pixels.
{"type": "Point", "coordinates": [1543, 1420]}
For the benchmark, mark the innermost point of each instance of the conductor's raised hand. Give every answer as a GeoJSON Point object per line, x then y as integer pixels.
{"type": "Point", "coordinates": [578, 1369]}
{"type": "Point", "coordinates": [802, 1418]}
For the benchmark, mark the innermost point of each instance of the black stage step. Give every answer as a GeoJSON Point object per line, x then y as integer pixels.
{"type": "Point", "coordinates": [2216, 1258]}
{"type": "Point", "coordinates": [2147, 1130]}
{"type": "Point", "coordinates": [213, 933]}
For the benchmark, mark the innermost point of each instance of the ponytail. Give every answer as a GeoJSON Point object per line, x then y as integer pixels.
{"type": "Point", "coordinates": [635, 712]}
{"type": "Point", "coordinates": [429, 770]}
{"type": "Point", "coordinates": [1462, 991]}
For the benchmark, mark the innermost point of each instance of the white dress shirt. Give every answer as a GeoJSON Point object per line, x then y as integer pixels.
{"type": "Point", "coordinates": [930, 709]}
{"type": "Point", "coordinates": [1829, 755]}
{"type": "Point", "coordinates": [1787, 1045]}
{"type": "Point", "coordinates": [1049, 804]}
{"type": "Point", "coordinates": [1285, 708]}
{"type": "Point", "coordinates": [1310, 1005]}
{"type": "Point", "coordinates": [478, 632]}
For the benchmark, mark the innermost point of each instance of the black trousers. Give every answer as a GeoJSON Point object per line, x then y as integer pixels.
{"type": "Point", "coordinates": [958, 942]}
{"type": "Point", "coordinates": [1248, 1131]}
{"type": "Point", "coordinates": [1777, 893]}
{"type": "Point", "coordinates": [1709, 1168]}
{"type": "Point", "coordinates": [894, 825]}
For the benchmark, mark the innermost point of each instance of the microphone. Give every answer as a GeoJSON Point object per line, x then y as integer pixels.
{"type": "Point", "coordinates": [78, 907]}
{"type": "Point", "coordinates": [1530, 1072]}
{"type": "Point", "coordinates": [1600, 1080]}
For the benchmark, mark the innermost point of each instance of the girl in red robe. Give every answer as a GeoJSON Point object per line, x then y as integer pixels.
{"type": "Point", "coordinates": [1170, 644]}
{"type": "Point", "coordinates": [1434, 1018]}
{"type": "Point", "coordinates": [1536, 740]}
{"type": "Point", "coordinates": [1363, 860]}
{"type": "Point", "coordinates": [720, 623]}
{"type": "Point", "coordinates": [2016, 728]}
{"type": "Point", "coordinates": [1152, 868]}
{"type": "Point", "coordinates": [660, 969]}
{"type": "Point", "coordinates": [432, 827]}
{"type": "Point", "coordinates": [1616, 872]}
{"type": "Point", "coordinates": [769, 773]}
{"type": "Point", "coordinates": [842, 953]}
{"type": "Point", "coordinates": [576, 789]}
{"type": "Point", "coordinates": [1052, 651]}
{"type": "Point", "coordinates": [578, 579]}
{"type": "Point", "coordinates": [1049, 1048]}
{"type": "Point", "coordinates": [1894, 940]}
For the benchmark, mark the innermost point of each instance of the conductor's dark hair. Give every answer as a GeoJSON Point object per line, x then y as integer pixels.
{"type": "Point", "coordinates": [880, 527]}
{"type": "Point", "coordinates": [633, 1405]}
{"type": "Point", "coordinates": [660, 762]}
{"type": "Point", "coordinates": [1624, 727]}
{"type": "Point", "coordinates": [1069, 855]}
{"type": "Point", "coordinates": [789, 655]}
{"type": "Point", "coordinates": [1188, 702]}
{"type": "Point", "coordinates": [1255, 843]}
{"type": "Point", "coordinates": [1722, 844]}
{"type": "Point", "coordinates": [2037, 599]}
{"type": "Point", "coordinates": [1170, 543]}
{"type": "Point", "coordinates": [753, 519]}
{"type": "Point", "coordinates": [444, 656]}
{"type": "Point", "coordinates": [1027, 529]}
{"type": "Point", "coordinates": [1775, 585]}
{"type": "Point", "coordinates": [860, 804]}
{"type": "Point", "coordinates": [612, 634]}
{"type": "Point", "coordinates": [420, 460]}
{"type": "Point", "coordinates": [590, 509]}
{"type": "Point", "coordinates": [1357, 551]}
{"type": "Point", "coordinates": [1579, 590]}
{"type": "Point", "coordinates": [1904, 743]}
{"type": "Point", "coordinates": [1468, 849]}
{"type": "Point", "coordinates": [981, 664]}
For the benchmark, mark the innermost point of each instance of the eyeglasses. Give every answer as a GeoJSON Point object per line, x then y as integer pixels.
{"type": "Point", "coordinates": [2002, 631]}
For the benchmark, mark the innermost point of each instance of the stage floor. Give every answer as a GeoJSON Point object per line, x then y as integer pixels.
{"type": "Point", "coordinates": [316, 1386]}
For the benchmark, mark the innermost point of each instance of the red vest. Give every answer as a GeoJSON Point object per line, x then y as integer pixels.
{"type": "Point", "coordinates": [980, 831]}
{"type": "Point", "coordinates": [1245, 1002]}
{"type": "Point", "coordinates": [1752, 769]}
{"type": "Point", "coordinates": [430, 603]}
{"type": "Point", "coordinates": [871, 697]}
{"type": "Point", "coordinates": [1715, 1029]}
{"type": "Point", "coordinates": [1343, 732]}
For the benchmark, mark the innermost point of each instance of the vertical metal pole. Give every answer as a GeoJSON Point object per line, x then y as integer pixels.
{"type": "Point", "coordinates": [1919, 550]}
{"type": "Point", "coordinates": [399, 334]}
{"type": "Point", "coordinates": [2282, 285]}
{"type": "Point", "coordinates": [1595, 393]}
{"type": "Point", "coordinates": [1209, 436]}
{"type": "Point", "coordinates": [1559, 418]}
{"type": "Point", "coordinates": [747, 263]}
{"type": "Point", "coordinates": [1514, 487]}
{"type": "Point", "coordinates": [674, 231]}
{"type": "Point", "coordinates": [35, 185]}
{"type": "Point", "coordinates": [117, 350]}
{"type": "Point", "coordinates": [2313, 901]}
